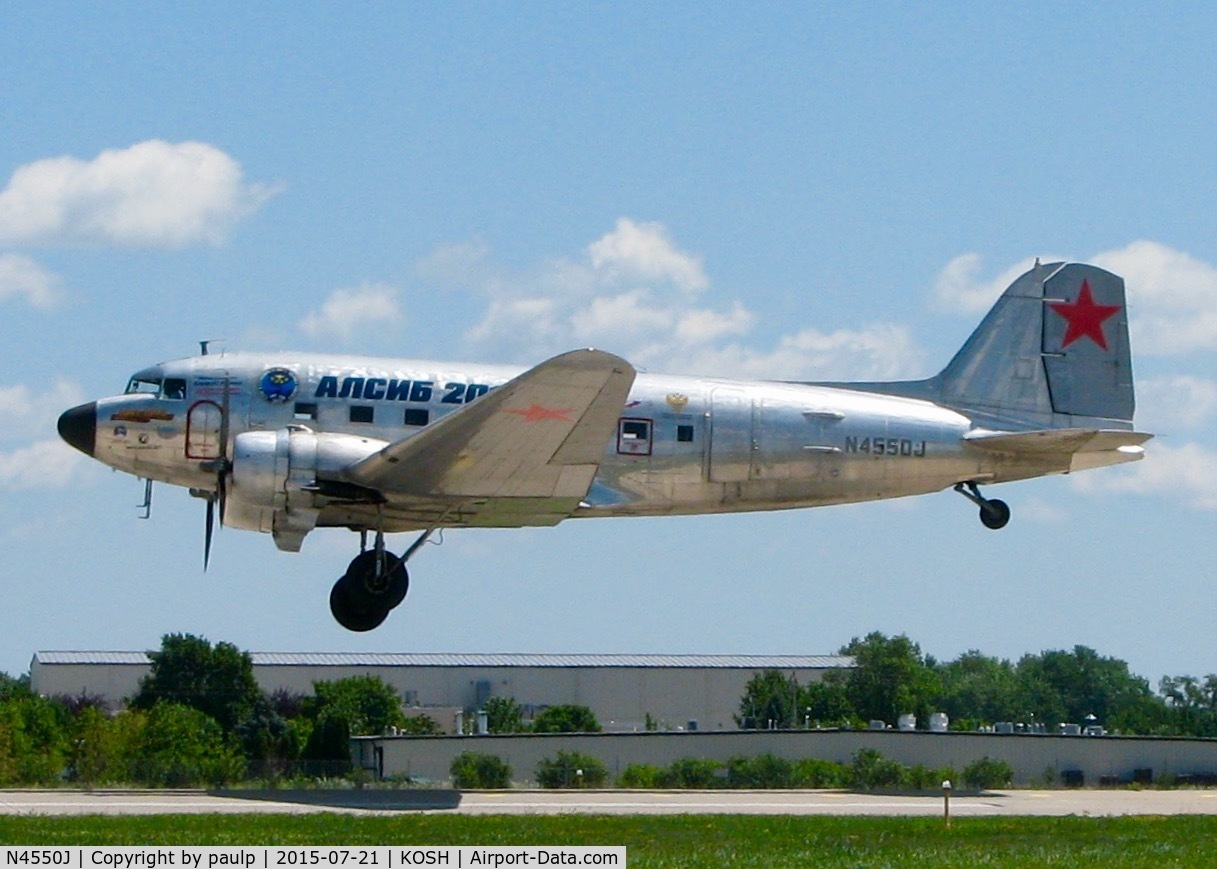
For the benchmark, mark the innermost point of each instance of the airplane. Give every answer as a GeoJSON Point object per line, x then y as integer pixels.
{"type": "Point", "coordinates": [288, 442]}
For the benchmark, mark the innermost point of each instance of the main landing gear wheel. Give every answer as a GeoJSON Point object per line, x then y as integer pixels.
{"type": "Point", "coordinates": [375, 582]}
{"type": "Point", "coordinates": [348, 615]}
{"type": "Point", "coordinates": [994, 513]}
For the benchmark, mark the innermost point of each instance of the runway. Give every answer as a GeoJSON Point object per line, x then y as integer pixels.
{"type": "Point", "coordinates": [530, 802]}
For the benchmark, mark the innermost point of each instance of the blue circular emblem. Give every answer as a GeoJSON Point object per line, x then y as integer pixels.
{"type": "Point", "coordinates": [278, 385]}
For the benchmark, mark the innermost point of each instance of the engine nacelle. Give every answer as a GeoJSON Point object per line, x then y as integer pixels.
{"type": "Point", "coordinates": [275, 478]}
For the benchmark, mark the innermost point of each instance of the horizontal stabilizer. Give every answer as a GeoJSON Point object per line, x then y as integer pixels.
{"type": "Point", "coordinates": [1090, 448]}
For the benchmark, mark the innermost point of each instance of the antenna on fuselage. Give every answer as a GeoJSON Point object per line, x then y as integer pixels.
{"type": "Point", "coordinates": [203, 345]}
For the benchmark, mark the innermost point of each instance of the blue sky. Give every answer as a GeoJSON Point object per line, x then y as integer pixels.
{"type": "Point", "coordinates": [795, 191]}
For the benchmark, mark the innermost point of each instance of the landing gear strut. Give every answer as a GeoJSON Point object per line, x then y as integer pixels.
{"type": "Point", "coordinates": [993, 513]}
{"type": "Point", "coordinates": [376, 581]}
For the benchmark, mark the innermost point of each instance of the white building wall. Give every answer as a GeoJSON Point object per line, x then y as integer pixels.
{"type": "Point", "coordinates": [1030, 756]}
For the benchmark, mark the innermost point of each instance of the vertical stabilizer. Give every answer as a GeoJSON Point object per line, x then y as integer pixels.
{"type": "Point", "coordinates": [1054, 345]}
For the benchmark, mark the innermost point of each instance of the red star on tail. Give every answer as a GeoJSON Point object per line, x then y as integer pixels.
{"type": "Point", "coordinates": [1084, 317]}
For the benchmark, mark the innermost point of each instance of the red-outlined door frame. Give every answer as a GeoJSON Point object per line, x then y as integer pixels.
{"type": "Point", "coordinates": [204, 423]}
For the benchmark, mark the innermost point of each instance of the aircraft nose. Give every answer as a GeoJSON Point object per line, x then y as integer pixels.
{"type": "Point", "coordinates": [78, 427]}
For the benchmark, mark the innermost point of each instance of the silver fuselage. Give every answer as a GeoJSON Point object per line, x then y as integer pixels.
{"type": "Point", "coordinates": [683, 445]}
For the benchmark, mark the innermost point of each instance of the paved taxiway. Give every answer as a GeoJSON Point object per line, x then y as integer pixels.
{"type": "Point", "coordinates": [523, 802]}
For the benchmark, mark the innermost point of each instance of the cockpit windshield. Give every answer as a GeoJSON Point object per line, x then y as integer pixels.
{"type": "Point", "coordinates": [168, 387]}
{"type": "Point", "coordinates": [143, 385]}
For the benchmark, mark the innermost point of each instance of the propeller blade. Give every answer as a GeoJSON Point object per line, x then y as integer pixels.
{"type": "Point", "coordinates": [211, 521]}
{"type": "Point", "coordinates": [221, 466]}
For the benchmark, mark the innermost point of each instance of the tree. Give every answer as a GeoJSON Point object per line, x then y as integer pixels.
{"type": "Point", "coordinates": [890, 678]}
{"type": "Point", "coordinates": [871, 769]}
{"type": "Point", "coordinates": [14, 687]}
{"type": "Point", "coordinates": [566, 718]}
{"type": "Point", "coordinates": [219, 681]}
{"type": "Point", "coordinates": [987, 773]}
{"type": "Point", "coordinates": [1190, 705]}
{"type": "Point", "coordinates": [329, 744]}
{"type": "Point", "coordinates": [472, 770]}
{"type": "Point", "coordinates": [1068, 686]}
{"type": "Point", "coordinates": [182, 747]}
{"type": "Point", "coordinates": [504, 715]}
{"type": "Point", "coordinates": [826, 702]}
{"type": "Point", "coordinates": [368, 704]}
{"type": "Point", "coordinates": [104, 748]}
{"type": "Point", "coordinates": [770, 700]}
{"type": "Point", "coordinates": [978, 688]}
{"type": "Point", "coordinates": [571, 769]}
{"type": "Point", "coordinates": [421, 725]}
{"type": "Point", "coordinates": [33, 741]}
{"type": "Point", "coordinates": [265, 736]}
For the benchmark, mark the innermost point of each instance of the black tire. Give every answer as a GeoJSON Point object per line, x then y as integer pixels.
{"type": "Point", "coordinates": [370, 590]}
{"type": "Point", "coordinates": [350, 616]}
{"type": "Point", "coordinates": [995, 514]}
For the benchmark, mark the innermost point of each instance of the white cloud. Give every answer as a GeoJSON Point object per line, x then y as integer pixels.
{"type": "Point", "coordinates": [346, 311]}
{"type": "Point", "coordinates": [460, 264]}
{"type": "Point", "coordinates": [1173, 297]}
{"type": "Point", "coordinates": [21, 277]}
{"type": "Point", "coordinates": [702, 326]}
{"type": "Point", "coordinates": [959, 289]}
{"type": "Point", "coordinates": [44, 464]}
{"type": "Point", "coordinates": [1042, 512]}
{"type": "Point", "coordinates": [152, 194]}
{"type": "Point", "coordinates": [25, 414]}
{"type": "Point", "coordinates": [643, 252]}
{"type": "Point", "coordinates": [634, 292]}
{"type": "Point", "coordinates": [1187, 473]}
{"type": "Point", "coordinates": [880, 351]}
{"type": "Point", "coordinates": [1175, 402]}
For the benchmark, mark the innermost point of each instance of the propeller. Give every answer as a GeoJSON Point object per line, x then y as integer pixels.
{"type": "Point", "coordinates": [221, 467]}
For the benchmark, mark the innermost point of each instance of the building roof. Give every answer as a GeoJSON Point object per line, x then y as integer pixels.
{"type": "Point", "coordinates": [445, 659]}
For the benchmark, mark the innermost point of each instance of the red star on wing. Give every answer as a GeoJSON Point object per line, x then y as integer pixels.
{"type": "Point", "coordinates": [535, 413]}
{"type": "Point", "coordinates": [1084, 317]}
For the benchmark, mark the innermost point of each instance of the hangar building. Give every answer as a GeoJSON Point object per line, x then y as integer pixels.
{"type": "Point", "coordinates": [674, 691]}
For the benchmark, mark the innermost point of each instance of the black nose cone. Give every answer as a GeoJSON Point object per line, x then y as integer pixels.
{"type": "Point", "coordinates": [78, 427]}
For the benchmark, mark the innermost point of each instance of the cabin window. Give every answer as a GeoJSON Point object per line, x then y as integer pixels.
{"type": "Point", "coordinates": [634, 437]}
{"type": "Point", "coordinates": [417, 416]}
{"type": "Point", "coordinates": [305, 411]}
{"type": "Point", "coordinates": [362, 413]}
{"type": "Point", "coordinates": [684, 434]}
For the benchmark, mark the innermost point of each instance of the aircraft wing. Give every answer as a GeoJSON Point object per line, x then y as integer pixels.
{"type": "Point", "coordinates": [1088, 448]}
{"type": "Point", "coordinates": [527, 450]}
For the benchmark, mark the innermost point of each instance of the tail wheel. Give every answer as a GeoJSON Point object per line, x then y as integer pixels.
{"type": "Point", "coordinates": [995, 513]}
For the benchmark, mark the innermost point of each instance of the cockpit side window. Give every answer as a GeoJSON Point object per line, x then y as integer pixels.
{"type": "Point", "coordinates": [175, 387]}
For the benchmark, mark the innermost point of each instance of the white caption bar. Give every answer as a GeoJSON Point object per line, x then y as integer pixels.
{"type": "Point", "coordinates": [282, 857]}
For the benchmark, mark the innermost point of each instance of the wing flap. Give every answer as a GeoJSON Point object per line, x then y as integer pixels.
{"type": "Point", "coordinates": [539, 436]}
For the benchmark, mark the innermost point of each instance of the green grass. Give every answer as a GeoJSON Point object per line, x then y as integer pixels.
{"type": "Point", "coordinates": [688, 840]}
